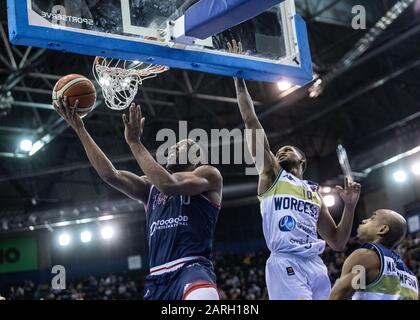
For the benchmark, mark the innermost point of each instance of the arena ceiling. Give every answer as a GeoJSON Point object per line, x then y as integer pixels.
{"type": "Point", "coordinates": [372, 99]}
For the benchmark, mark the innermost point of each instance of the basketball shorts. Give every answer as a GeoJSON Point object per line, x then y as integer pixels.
{"type": "Point", "coordinates": [179, 284]}
{"type": "Point", "coordinates": [290, 277]}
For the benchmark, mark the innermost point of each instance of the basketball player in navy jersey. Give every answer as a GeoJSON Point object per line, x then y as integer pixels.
{"type": "Point", "coordinates": [182, 204]}
{"type": "Point", "coordinates": [382, 271]}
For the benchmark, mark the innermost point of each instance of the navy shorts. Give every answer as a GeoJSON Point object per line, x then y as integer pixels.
{"type": "Point", "coordinates": [174, 285]}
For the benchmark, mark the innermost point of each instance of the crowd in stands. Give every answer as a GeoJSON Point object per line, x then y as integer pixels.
{"type": "Point", "coordinates": [126, 286]}
{"type": "Point", "coordinates": [240, 277]}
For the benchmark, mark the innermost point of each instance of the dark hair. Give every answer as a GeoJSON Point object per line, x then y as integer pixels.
{"type": "Point", "coordinates": [202, 155]}
{"type": "Point", "coordinates": [395, 235]}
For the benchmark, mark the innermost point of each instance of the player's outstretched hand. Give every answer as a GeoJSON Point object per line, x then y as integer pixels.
{"type": "Point", "coordinates": [350, 193]}
{"type": "Point", "coordinates": [69, 113]}
{"type": "Point", "coordinates": [133, 124]}
{"type": "Point", "coordinates": [235, 47]}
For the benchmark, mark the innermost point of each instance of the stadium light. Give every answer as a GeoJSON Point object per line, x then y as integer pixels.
{"type": "Point", "coordinates": [106, 217]}
{"type": "Point", "coordinates": [284, 85]}
{"type": "Point", "coordinates": [329, 200]}
{"type": "Point", "coordinates": [85, 236]}
{"type": "Point", "coordinates": [326, 189]}
{"type": "Point", "coordinates": [416, 168]}
{"type": "Point", "coordinates": [64, 239]}
{"type": "Point", "coordinates": [400, 176]}
{"type": "Point", "coordinates": [107, 233]}
{"type": "Point", "coordinates": [26, 145]}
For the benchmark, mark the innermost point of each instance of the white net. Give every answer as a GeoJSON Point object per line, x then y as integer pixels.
{"type": "Point", "coordinates": [120, 79]}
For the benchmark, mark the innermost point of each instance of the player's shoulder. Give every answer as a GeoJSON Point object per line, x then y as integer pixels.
{"type": "Point", "coordinates": [273, 173]}
{"type": "Point", "coordinates": [208, 171]}
{"type": "Point", "coordinates": [364, 257]}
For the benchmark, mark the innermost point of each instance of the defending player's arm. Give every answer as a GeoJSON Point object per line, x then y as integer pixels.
{"type": "Point", "coordinates": [202, 179]}
{"type": "Point", "coordinates": [269, 168]}
{"type": "Point", "coordinates": [128, 183]}
{"type": "Point", "coordinates": [361, 267]}
{"type": "Point", "coordinates": [337, 235]}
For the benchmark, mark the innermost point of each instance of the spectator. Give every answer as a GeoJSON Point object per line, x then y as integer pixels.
{"type": "Point", "coordinates": [239, 277]}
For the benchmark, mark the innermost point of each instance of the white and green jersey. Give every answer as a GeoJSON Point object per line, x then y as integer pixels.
{"type": "Point", "coordinates": [290, 211]}
{"type": "Point", "coordinates": [394, 282]}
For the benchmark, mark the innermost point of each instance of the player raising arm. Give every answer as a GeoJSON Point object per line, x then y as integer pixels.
{"type": "Point", "coordinates": [293, 212]}
{"type": "Point", "coordinates": [182, 205]}
{"type": "Point", "coordinates": [126, 182]}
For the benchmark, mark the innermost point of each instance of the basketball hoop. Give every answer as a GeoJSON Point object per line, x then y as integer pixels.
{"type": "Point", "coordinates": [120, 79]}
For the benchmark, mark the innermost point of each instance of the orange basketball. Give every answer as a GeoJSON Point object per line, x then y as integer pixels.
{"type": "Point", "coordinates": [76, 87]}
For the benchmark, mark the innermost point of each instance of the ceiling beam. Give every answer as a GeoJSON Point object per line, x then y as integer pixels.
{"type": "Point", "coordinates": [199, 96]}
{"type": "Point", "coordinates": [342, 102]}
{"type": "Point", "coordinates": [62, 168]}
{"type": "Point", "coordinates": [16, 130]}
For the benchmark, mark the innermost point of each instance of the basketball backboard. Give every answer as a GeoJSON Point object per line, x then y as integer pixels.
{"type": "Point", "coordinates": [187, 34]}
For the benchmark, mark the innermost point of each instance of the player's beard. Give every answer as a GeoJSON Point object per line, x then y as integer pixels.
{"type": "Point", "coordinates": [289, 164]}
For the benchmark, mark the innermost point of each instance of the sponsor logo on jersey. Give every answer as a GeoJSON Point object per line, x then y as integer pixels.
{"type": "Point", "coordinates": [290, 177]}
{"type": "Point", "coordinates": [168, 223]}
{"type": "Point", "coordinates": [300, 206]}
{"type": "Point", "coordinates": [307, 244]}
{"type": "Point", "coordinates": [307, 228]}
{"type": "Point", "coordinates": [290, 271]}
{"type": "Point", "coordinates": [287, 223]}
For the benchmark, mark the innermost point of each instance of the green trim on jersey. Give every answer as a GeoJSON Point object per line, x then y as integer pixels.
{"type": "Point", "coordinates": [388, 284]}
{"type": "Point", "coordinates": [391, 285]}
{"type": "Point", "coordinates": [281, 187]}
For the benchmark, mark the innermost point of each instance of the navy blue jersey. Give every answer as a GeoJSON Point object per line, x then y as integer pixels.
{"type": "Point", "coordinates": [395, 280]}
{"type": "Point", "coordinates": [179, 226]}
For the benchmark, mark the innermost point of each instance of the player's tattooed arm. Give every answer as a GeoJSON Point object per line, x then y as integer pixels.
{"type": "Point", "coordinates": [337, 235]}
{"type": "Point", "coordinates": [201, 180]}
{"type": "Point", "coordinates": [360, 269]}
{"type": "Point", "coordinates": [269, 167]}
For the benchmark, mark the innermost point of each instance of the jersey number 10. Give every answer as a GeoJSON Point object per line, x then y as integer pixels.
{"type": "Point", "coordinates": [185, 200]}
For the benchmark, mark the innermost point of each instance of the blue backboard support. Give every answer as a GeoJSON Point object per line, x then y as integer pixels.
{"type": "Point", "coordinates": [209, 17]}
{"type": "Point", "coordinates": [297, 69]}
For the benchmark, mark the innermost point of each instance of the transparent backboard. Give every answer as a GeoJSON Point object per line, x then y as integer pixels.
{"type": "Point", "coordinates": [274, 42]}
